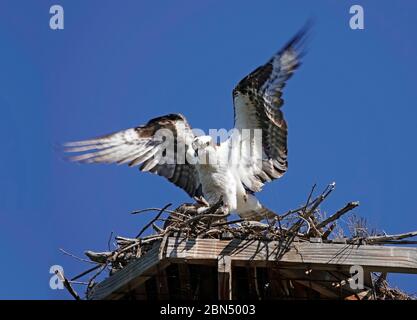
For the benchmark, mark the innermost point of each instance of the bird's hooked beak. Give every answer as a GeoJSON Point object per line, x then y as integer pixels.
{"type": "Point", "coordinates": [200, 144]}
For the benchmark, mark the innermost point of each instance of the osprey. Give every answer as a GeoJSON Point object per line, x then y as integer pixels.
{"type": "Point", "coordinates": [257, 106]}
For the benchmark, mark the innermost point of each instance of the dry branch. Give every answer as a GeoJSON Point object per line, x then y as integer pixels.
{"type": "Point", "coordinates": [338, 214]}
{"type": "Point", "coordinates": [67, 285]}
{"type": "Point", "coordinates": [385, 238]}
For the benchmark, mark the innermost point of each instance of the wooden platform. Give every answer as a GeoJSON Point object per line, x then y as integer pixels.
{"type": "Point", "coordinates": [190, 269]}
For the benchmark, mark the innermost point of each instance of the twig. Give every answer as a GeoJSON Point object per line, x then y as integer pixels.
{"type": "Point", "coordinates": [308, 224]}
{"type": "Point", "coordinates": [314, 230]}
{"type": "Point", "coordinates": [155, 209]}
{"type": "Point", "coordinates": [321, 198]}
{"type": "Point", "coordinates": [205, 216]}
{"type": "Point", "coordinates": [126, 239]}
{"type": "Point", "coordinates": [400, 236]}
{"type": "Point", "coordinates": [97, 274]}
{"type": "Point", "coordinates": [85, 272]}
{"type": "Point", "coordinates": [157, 228]}
{"type": "Point", "coordinates": [227, 223]}
{"type": "Point", "coordinates": [309, 197]}
{"type": "Point", "coordinates": [67, 285]}
{"type": "Point", "coordinates": [98, 257]}
{"type": "Point", "coordinates": [327, 233]}
{"type": "Point", "coordinates": [75, 257]}
{"type": "Point", "coordinates": [108, 242]}
{"type": "Point", "coordinates": [397, 242]}
{"type": "Point", "coordinates": [78, 282]}
{"type": "Point", "coordinates": [153, 220]}
{"type": "Point", "coordinates": [172, 213]}
{"type": "Point", "coordinates": [338, 214]}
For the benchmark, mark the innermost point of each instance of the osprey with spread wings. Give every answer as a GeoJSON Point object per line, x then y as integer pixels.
{"type": "Point", "coordinates": [257, 105]}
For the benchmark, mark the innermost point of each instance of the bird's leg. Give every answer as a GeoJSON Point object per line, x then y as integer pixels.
{"type": "Point", "coordinates": [225, 208]}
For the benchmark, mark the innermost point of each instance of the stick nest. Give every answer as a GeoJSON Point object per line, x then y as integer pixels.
{"type": "Point", "coordinates": [200, 220]}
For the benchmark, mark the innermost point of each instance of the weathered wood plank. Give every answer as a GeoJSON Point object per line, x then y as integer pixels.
{"type": "Point", "coordinates": [140, 292]}
{"type": "Point", "coordinates": [162, 284]}
{"type": "Point", "coordinates": [253, 282]}
{"type": "Point", "coordinates": [318, 286]}
{"type": "Point", "coordinates": [185, 280]}
{"type": "Point", "coordinates": [131, 276]}
{"type": "Point", "coordinates": [275, 285]}
{"type": "Point", "coordinates": [372, 257]}
{"type": "Point", "coordinates": [224, 278]}
{"type": "Point", "coordinates": [325, 292]}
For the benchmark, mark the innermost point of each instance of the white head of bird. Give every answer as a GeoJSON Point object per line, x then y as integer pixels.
{"type": "Point", "coordinates": [204, 150]}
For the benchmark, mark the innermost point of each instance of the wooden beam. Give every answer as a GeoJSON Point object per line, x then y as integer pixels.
{"type": "Point", "coordinates": [132, 275]}
{"type": "Point", "coordinates": [140, 292]}
{"type": "Point", "coordinates": [366, 294]}
{"type": "Point", "coordinates": [325, 256]}
{"type": "Point", "coordinates": [324, 291]}
{"type": "Point", "coordinates": [273, 289]}
{"type": "Point", "coordinates": [185, 281]}
{"type": "Point", "coordinates": [304, 280]}
{"type": "Point", "coordinates": [162, 284]}
{"type": "Point", "coordinates": [253, 282]}
{"type": "Point", "coordinates": [224, 278]}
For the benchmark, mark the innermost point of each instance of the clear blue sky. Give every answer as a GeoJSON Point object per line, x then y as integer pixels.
{"type": "Point", "coordinates": [351, 110]}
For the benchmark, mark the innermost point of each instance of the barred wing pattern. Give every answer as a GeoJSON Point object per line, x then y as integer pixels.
{"type": "Point", "coordinates": [140, 146]}
{"type": "Point", "coordinates": [257, 105]}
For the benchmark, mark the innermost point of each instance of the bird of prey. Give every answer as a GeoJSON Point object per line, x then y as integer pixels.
{"type": "Point", "coordinates": [168, 147]}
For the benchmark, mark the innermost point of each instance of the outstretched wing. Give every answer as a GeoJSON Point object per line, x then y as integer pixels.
{"type": "Point", "coordinates": [257, 102]}
{"type": "Point", "coordinates": [154, 146]}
